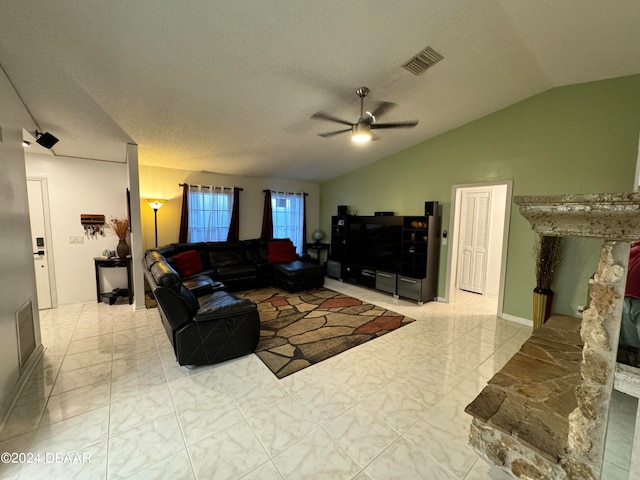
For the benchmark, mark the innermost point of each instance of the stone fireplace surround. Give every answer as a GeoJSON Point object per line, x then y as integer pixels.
{"type": "Point", "coordinates": [544, 415]}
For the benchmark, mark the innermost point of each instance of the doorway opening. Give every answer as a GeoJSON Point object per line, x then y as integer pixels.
{"type": "Point", "coordinates": [478, 235]}
{"type": "Point", "coordinates": [39, 218]}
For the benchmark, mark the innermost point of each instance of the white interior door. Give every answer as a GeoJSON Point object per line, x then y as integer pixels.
{"type": "Point", "coordinates": [40, 242]}
{"type": "Point", "coordinates": [474, 229]}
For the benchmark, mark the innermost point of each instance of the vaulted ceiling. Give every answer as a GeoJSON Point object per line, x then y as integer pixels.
{"type": "Point", "coordinates": [230, 86]}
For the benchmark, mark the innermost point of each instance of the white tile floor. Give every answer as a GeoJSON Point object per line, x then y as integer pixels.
{"type": "Point", "coordinates": [108, 388]}
{"type": "Point", "coordinates": [620, 432]}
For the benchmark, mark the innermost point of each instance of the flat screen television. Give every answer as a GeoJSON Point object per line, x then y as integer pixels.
{"type": "Point", "coordinates": [375, 242]}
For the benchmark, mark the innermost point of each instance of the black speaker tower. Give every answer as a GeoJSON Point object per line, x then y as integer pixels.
{"type": "Point", "coordinates": [430, 209]}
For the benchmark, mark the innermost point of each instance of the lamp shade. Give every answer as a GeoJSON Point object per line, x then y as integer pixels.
{"type": "Point", "coordinates": [155, 203]}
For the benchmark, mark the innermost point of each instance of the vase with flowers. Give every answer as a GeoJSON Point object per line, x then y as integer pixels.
{"type": "Point", "coordinates": [120, 227]}
{"type": "Point", "coordinates": [547, 256]}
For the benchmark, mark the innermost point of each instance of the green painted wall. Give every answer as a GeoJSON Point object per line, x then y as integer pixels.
{"type": "Point", "coordinates": [575, 139]}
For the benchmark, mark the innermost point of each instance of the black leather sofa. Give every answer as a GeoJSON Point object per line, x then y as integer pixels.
{"type": "Point", "coordinates": [239, 265]}
{"type": "Point", "coordinates": [203, 320]}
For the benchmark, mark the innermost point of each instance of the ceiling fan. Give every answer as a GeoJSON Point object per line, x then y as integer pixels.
{"type": "Point", "coordinates": [361, 130]}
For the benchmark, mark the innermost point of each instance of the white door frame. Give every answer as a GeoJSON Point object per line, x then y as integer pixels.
{"type": "Point", "coordinates": [44, 186]}
{"type": "Point", "coordinates": [636, 180]}
{"type": "Point", "coordinates": [452, 252]}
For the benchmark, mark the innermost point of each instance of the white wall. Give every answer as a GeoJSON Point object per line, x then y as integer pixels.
{"type": "Point", "coordinates": [156, 182]}
{"type": "Point", "coordinates": [17, 278]}
{"type": "Point", "coordinates": [78, 186]}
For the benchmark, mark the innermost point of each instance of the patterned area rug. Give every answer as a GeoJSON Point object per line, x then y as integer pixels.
{"type": "Point", "coordinates": [304, 328]}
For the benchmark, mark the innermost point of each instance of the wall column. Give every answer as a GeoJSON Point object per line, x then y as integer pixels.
{"type": "Point", "coordinates": [136, 225]}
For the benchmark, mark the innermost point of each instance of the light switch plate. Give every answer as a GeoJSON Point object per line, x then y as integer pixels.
{"type": "Point", "coordinates": [76, 239]}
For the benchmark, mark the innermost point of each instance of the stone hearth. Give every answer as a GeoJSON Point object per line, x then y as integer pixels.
{"type": "Point", "coordinates": [532, 395]}
{"type": "Point", "coordinates": [544, 415]}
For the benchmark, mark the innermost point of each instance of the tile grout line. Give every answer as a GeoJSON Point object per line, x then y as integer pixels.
{"type": "Point", "coordinates": [173, 404]}
{"type": "Point", "coordinates": [108, 440]}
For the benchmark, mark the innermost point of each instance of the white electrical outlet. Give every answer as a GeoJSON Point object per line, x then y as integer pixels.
{"type": "Point", "coordinates": [76, 239]}
{"type": "Point", "coordinates": [580, 310]}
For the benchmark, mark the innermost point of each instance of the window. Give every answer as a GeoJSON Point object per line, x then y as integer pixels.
{"type": "Point", "coordinates": [288, 216]}
{"type": "Point", "coordinates": [209, 213]}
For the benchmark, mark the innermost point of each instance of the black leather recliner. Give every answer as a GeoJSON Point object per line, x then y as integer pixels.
{"type": "Point", "coordinates": [217, 327]}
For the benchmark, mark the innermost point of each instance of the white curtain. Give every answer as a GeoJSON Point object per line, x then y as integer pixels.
{"type": "Point", "coordinates": [288, 217]}
{"type": "Point", "coordinates": [209, 213]}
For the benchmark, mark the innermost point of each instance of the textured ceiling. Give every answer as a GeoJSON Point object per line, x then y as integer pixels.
{"type": "Point", "coordinates": [229, 86]}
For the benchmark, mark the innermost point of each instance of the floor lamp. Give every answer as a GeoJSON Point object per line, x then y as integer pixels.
{"type": "Point", "coordinates": [155, 204]}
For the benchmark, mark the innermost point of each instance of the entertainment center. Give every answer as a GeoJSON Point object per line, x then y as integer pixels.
{"type": "Point", "coordinates": [395, 254]}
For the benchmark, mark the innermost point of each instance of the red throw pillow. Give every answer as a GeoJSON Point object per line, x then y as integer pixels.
{"type": "Point", "coordinates": [281, 252]}
{"type": "Point", "coordinates": [188, 263]}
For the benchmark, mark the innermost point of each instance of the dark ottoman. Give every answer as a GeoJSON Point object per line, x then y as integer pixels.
{"type": "Point", "coordinates": [296, 276]}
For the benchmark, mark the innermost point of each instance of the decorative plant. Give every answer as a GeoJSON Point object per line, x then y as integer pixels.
{"type": "Point", "coordinates": [120, 226]}
{"type": "Point", "coordinates": [547, 255]}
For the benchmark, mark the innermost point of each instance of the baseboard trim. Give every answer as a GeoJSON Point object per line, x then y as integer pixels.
{"type": "Point", "coordinates": [513, 318]}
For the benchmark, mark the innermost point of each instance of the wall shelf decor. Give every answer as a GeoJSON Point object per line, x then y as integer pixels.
{"type": "Point", "coordinates": [93, 224]}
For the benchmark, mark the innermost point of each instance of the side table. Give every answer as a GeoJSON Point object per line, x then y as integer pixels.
{"type": "Point", "coordinates": [115, 262]}
{"type": "Point", "coordinates": [318, 247]}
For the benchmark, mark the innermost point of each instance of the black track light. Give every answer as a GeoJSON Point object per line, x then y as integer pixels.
{"type": "Point", "coordinates": [45, 139]}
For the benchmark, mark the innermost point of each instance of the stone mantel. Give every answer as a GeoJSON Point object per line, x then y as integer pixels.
{"type": "Point", "coordinates": [610, 216]}
{"type": "Point", "coordinates": [513, 443]}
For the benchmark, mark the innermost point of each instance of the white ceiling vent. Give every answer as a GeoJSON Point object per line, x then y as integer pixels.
{"type": "Point", "coordinates": [425, 59]}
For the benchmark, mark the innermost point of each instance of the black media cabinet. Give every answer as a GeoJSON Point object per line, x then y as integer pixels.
{"type": "Point", "coordinates": [394, 254]}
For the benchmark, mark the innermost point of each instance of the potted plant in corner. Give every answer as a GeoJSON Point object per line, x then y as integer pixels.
{"type": "Point", "coordinates": [547, 255]}
{"type": "Point", "coordinates": [121, 226]}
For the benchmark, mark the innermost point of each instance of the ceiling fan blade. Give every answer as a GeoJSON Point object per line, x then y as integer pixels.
{"type": "Point", "coordinates": [409, 124]}
{"type": "Point", "coordinates": [324, 116]}
{"type": "Point", "coordinates": [382, 108]}
{"type": "Point", "coordinates": [331, 134]}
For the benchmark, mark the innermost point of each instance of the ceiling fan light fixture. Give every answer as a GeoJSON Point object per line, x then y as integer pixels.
{"type": "Point", "coordinates": [361, 133]}
{"type": "Point", "coordinates": [361, 137]}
